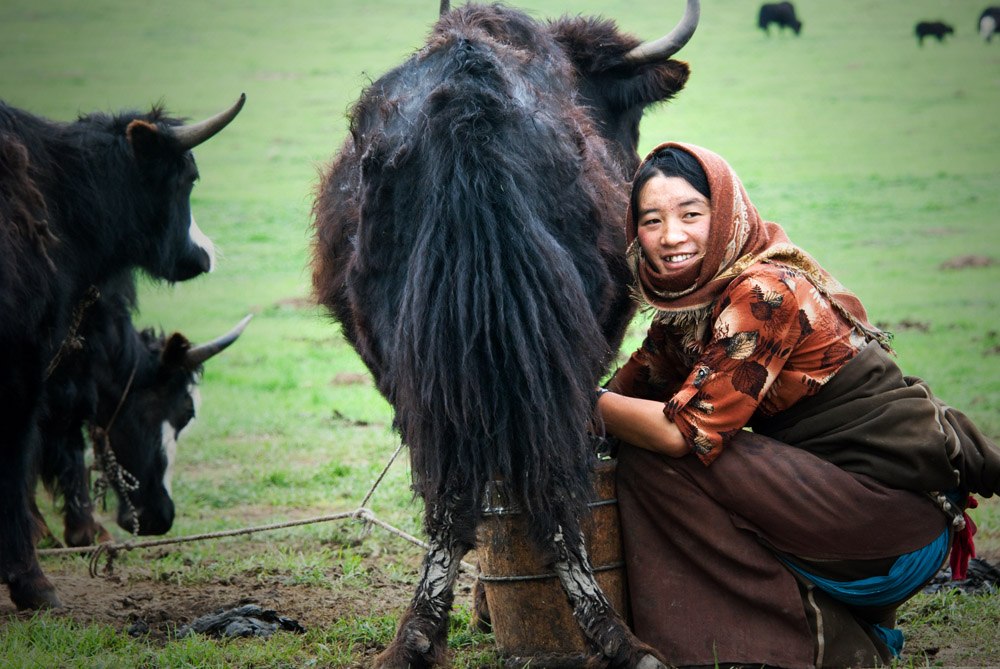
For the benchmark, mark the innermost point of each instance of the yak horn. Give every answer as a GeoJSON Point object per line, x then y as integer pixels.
{"type": "Point", "coordinates": [445, 7]}
{"type": "Point", "coordinates": [670, 43]}
{"type": "Point", "coordinates": [192, 135]}
{"type": "Point", "coordinates": [203, 352]}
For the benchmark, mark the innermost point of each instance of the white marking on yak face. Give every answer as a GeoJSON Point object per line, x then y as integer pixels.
{"type": "Point", "coordinates": [987, 26]}
{"type": "Point", "coordinates": [202, 241]}
{"type": "Point", "coordinates": [171, 435]}
{"type": "Point", "coordinates": [170, 451]}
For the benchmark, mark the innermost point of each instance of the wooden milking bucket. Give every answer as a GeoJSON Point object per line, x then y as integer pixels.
{"type": "Point", "coordinates": [531, 616]}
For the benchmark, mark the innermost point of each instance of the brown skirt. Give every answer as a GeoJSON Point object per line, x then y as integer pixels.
{"type": "Point", "coordinates": [705, 584]}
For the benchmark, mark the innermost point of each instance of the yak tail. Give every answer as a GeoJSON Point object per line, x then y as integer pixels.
{"type": "Point", "coordinates": [497, 349]}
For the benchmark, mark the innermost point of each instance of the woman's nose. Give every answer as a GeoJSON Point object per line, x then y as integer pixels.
{"type": "Point", "coordinates": [672, 233]}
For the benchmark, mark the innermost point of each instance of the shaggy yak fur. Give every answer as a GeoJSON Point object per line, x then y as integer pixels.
{"type": "Point", "coordinates": [468, 239]}
{"type": "Point", "coordinates": [80, 203]}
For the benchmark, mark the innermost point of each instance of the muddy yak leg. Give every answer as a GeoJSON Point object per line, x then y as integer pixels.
{"type": "Point", "coordinates": [601, 625]}
{"type": "Point", "coordinates": [422, 636]}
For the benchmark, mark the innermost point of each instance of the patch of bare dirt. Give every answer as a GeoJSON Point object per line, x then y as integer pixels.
{"type": "Point", "coordinates": [351, 379]}
{"type": "Point", "coordinates": [136, 603]}
{"type": "Point", "coordinates": [967, 262]}
{"type": "Point", "coordinates": [132, 600]}
{"type": "Point", "coordinates": [905, 324]}
{"type": "Point", "coordinates": [303, 303]}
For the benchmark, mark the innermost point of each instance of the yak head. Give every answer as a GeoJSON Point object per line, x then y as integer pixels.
{"type": "Point", "coordinates": [615, 76]}
{"type": "Point", "coordinates": [164, 238]}
{"type": "Point", "coordinates": [154, 408]}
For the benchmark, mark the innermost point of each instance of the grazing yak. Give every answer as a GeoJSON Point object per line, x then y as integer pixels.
{"type": "Point", "coordinates": [135, 392]}
{"type": "Point", "coordinates": [469, 240]}
{"type": "Point", "coordinates": [932, 29]}
{"type": "Point", "coordinates": [80, 203]}
{"type": "Point", "coordinates": [989, 23]}
{"type": "Point", "coordinates": [780, 13]}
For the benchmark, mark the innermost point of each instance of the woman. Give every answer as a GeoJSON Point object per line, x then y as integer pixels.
{"type": "Point", "coordinates": [791, 545]}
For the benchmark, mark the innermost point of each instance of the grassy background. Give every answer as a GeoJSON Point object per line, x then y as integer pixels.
{"type": "Point", "coordinates": [877, 155]}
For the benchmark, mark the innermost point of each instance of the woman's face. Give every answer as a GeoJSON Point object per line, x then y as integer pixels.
{"type": "Point", "coordinates": [673, 222]}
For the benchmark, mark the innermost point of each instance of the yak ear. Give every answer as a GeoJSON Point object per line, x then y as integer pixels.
{"type": "Point", "coordinates": [145, 139]}
{"type": "Point", "coordinates": [175, 350]}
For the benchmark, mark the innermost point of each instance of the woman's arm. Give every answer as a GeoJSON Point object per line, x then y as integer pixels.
{"type": "Point", "coordinates": [641, 423]}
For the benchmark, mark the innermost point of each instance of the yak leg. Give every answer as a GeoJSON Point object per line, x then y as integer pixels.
{"type": "Point", "coordinates": [63, 469]}
{"type": "Point", "coordinates": [44, 534]}
{"type": "Point", "coordinates": [82, 529]}
{"type": "Point", "coordinates": [19, 568]}
{"type": "Point", "coordinates": [422, 636]}
{"type": "Point", "coordinates": [601, 625]}
{"type": "Point", "coordinates": [73, 480]}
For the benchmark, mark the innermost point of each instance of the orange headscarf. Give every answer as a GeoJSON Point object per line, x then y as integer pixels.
{"type": "Point", "coordinates": [738, 238]}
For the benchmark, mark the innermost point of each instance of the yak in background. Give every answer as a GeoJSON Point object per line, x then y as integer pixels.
{"type": "Point", "coordinates": [135, 392]}
{"type": "Point", "coordinates": [468, 238]}
{"type": "Point", "coordinates": [782, 14]}
{"type": "Point", "coordinates": [80, 203]}
{"type": "Point", "coordinates": [938, 29]}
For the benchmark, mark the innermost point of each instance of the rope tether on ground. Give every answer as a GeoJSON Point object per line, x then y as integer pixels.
{"type": "Point", "coordinates": [362, 514]}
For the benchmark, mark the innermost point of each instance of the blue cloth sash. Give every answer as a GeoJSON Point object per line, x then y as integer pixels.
{"type": "Point", "coordinates": [909, 572]}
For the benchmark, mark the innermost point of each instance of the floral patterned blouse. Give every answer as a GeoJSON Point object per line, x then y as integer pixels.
{"type": "Point", "coordinates": [775, 340]}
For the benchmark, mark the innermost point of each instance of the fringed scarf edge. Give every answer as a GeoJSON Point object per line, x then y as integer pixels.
{"type": "Point", "coordinates": [693, 320]}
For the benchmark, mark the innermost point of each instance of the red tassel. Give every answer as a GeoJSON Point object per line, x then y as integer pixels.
{"type": "Point", "coordinates": [963, 548]}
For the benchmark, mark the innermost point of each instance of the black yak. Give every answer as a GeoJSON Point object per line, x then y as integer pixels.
{"type": "Point", "coordinates": [780, 13]}
{"type": "Point", "coordinates": [80, 203]}
{"type": "Point", "coordinates": [936, 29]}
{"type": "Point", "coordinates": [469, 240]}
{"type": "Point", "coordinates": [989, 23]}
{"type": "Point", "coordinates": [135, 392]}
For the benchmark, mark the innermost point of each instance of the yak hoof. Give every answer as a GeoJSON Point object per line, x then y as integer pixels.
{"type": "Point", "coordinates": [409, 651]}
{"type": "Point", "coordinates": [87, 533]}
{"type": "Point", "coordinates": [103, 536]}
{"type": "Point", "coordinates": [36, 593]}
{"type": "Point", "coordinates": [650, 662]}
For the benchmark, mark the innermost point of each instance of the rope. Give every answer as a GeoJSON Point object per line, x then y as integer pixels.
{"type": "Point", "coordinates": [381, 476]}
{"type": "Point", "coordinates": [366, 528]}
{"type": "Point", "coordinates": [71, 342]}
{"type": "Point", "coordinates": [112, 473]}
{"type": "Point", "coordinates": [361, 514]}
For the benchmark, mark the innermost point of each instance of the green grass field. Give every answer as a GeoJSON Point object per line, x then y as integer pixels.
{"type": "Point", "coordinates": [880, 157]}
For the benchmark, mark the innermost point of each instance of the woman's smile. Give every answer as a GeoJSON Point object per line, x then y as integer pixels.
{"type": "Point", "coordinates": [679, 258]}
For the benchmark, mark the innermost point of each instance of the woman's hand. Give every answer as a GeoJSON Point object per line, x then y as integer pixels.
{"type": "Point", "coordinates": [641, 423]}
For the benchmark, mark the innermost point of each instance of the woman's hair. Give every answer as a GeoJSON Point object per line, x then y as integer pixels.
{"type": "Point", "coordinates": [670, 162]}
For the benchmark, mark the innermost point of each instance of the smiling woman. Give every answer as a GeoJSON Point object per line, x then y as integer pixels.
{"type": "Point", "coordinates": [794, 544]}
{"type": "Point", "coordinates": [675, 215]}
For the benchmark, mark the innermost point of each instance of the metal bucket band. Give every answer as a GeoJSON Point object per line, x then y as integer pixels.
{"type": "Point", "coordinates": [515, 509]}
{"type": "Point", "coordinates": [538, 577]}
